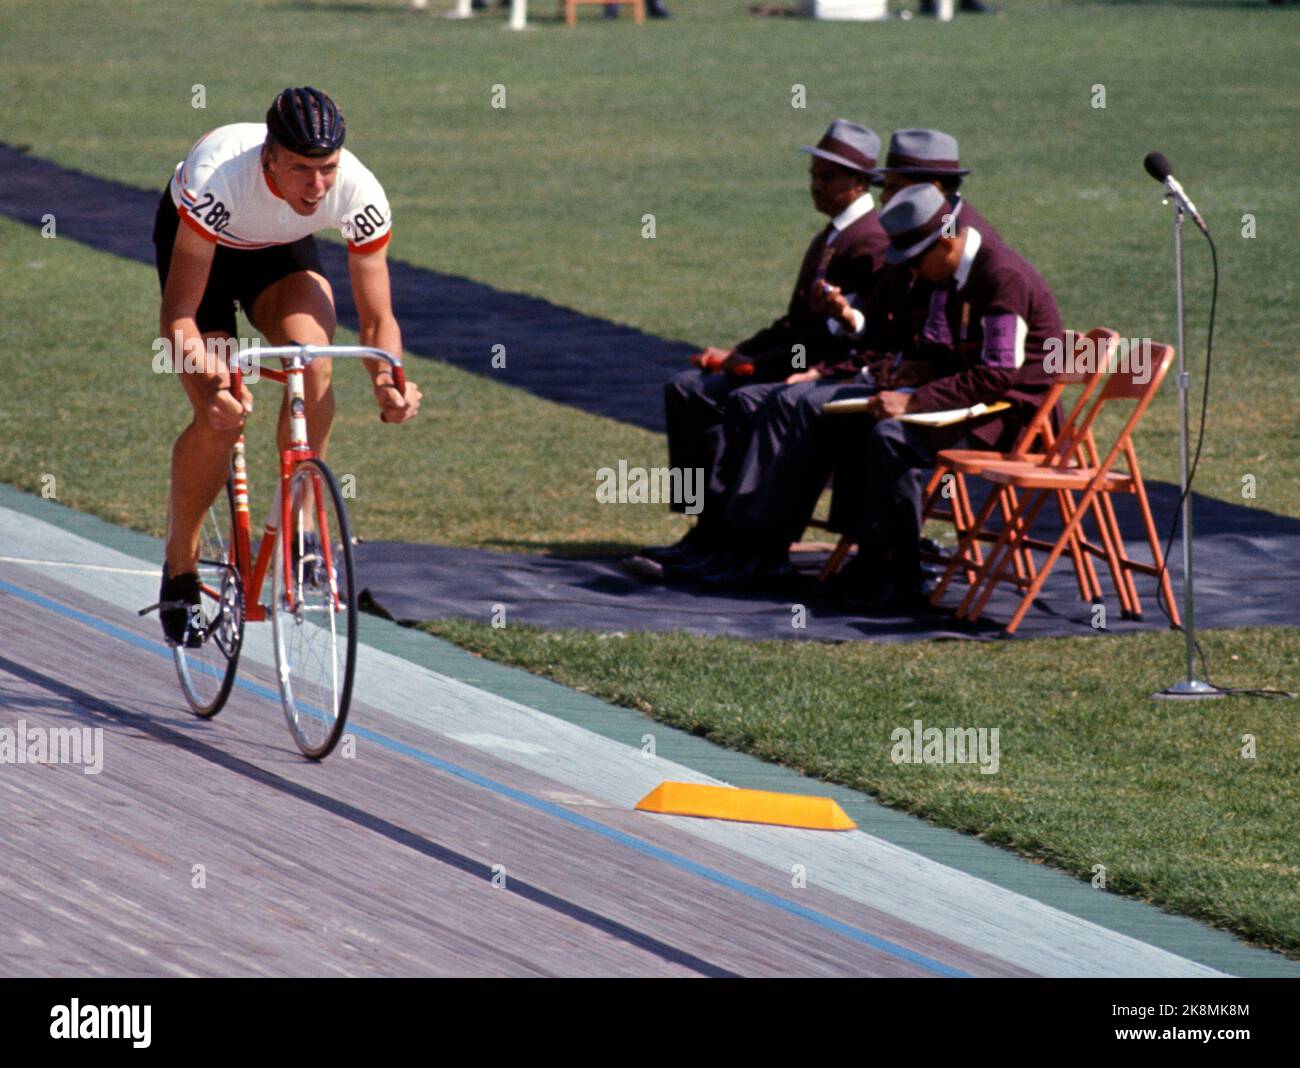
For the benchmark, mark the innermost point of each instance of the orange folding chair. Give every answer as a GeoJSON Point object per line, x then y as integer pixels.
{"type": "Point", "coordinates": [1073, 465]}
{"type": "Point", "coordinates": [947, 498]}
{"type": "Point", "coordinates": [1038, 437]}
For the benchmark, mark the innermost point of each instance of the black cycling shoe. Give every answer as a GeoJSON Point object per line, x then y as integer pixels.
{"type": "Point", "coordinates": [177, 600]}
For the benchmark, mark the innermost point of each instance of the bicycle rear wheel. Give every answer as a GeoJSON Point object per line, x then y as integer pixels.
{"type": "Point", "coordinates": [313, 611]}
{"type": "Point", "coordinates": [208, 672]}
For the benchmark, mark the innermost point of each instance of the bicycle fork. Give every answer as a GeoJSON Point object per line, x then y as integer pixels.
{"type": "Point", "coordinates": [300, 449]}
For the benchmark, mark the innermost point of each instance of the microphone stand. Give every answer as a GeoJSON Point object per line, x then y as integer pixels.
{"type": "Point", "coordinates": [1190, 687]}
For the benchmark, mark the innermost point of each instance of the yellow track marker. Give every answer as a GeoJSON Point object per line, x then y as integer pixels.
{"type": "Point", "coordinates": [746, 806]}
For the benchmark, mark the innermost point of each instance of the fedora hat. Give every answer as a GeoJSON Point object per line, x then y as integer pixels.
{"type": "Point", "coordinates": [930, 153]}
{"type": "Point", "coordinates": [913, 219]}
{"type": "Point", "coordinates": [849, 145]}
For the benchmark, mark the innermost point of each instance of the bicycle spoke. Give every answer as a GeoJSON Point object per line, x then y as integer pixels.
{"type": "Point", "coordinates": [207, 672]}
{"type": "Point", "coordinates": [315, 632]}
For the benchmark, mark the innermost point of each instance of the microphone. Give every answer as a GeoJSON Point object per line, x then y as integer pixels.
{"type": "Point", "coordinates": [1158, 167]}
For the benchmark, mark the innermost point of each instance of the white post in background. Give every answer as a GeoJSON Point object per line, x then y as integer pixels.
{"type": "Point", "coordinates": [518, 15]}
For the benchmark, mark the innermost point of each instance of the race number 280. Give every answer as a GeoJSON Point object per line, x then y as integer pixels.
{"type": "Point", "coordinates": [365, 223]}
{"type": "Point", "coordinates": [217, 214]}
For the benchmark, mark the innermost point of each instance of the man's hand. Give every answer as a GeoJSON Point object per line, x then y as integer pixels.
{"type": "Point", "coordinates": [738, 365]}
{"type": "Point", "coordinates": [828, 300]}
{"type": "Point", "coordinates": [373, 297]}
{"type": "Point", "coordinates": [810, 375]}
{"type": "Point", "coordinates": [890, 404]}
{"type": "Point", "coordinates": [225, 412]}
{"type": "Point", "coordinates": [393, 406]}
{"type": "Point", "coordinates": [880, 368]}
{"type": "Point", "coordinates": [710, 361]}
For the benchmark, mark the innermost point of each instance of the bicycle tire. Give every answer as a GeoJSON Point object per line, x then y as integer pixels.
{"type": "Point", "coordinates": [315, 662]}
{"type": "Point", "coordinates": [207, 673]}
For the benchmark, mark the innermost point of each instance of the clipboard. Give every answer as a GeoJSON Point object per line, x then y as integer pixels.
{"type": "Point", "coordinates": [955, 415]}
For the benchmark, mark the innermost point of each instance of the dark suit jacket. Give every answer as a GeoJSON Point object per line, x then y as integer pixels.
{"type": "Point", "coordinates": [986, 341]}
{"type": "Point", "coordinates": [856, 258]}
{"type": "Point", "coordinates": [896, 312]}
{"type": "Point", "coordinates": [967, 215]}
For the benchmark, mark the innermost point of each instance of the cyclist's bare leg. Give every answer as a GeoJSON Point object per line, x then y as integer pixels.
{"type": "Point", "coordinates": [299, 308]}
{"type": "Point", "coordinates": [200, 464]}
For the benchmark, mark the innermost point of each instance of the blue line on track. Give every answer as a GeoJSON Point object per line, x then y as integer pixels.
{"type": "Point", "coordinates": [609, 833]}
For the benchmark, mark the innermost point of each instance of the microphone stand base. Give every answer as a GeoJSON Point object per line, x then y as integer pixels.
{"type": "Point", "coordinates": [1189, 689]}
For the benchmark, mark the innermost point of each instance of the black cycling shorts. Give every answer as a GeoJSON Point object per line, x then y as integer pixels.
{"type": "Point", "coordinates": [238, 275]}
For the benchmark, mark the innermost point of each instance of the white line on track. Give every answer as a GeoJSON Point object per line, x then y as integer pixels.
{"type": "Point", "coordinates": [963, 908]}
{"type": "Point", "coordinates": [151, 572]}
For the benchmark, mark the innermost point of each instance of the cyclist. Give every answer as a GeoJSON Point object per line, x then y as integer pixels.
{"type": "Point", "coordinates": [235, 224]}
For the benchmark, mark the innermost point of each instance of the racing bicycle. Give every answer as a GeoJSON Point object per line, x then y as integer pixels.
{"type": "Point", "coordinates": [306, 545]}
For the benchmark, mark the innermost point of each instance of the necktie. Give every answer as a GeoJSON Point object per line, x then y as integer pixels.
{"type": "Point", "coordinates": [936, 331]}
{"type": "Point", "coordinates": [828, 250]}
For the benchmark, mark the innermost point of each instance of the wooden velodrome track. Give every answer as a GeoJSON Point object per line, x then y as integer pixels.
{"type": "Point", "coordinates": [384, 864]}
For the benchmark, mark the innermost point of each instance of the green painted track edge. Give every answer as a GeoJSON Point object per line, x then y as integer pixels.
{"type": "Point", "coordinates": [1177, 934]}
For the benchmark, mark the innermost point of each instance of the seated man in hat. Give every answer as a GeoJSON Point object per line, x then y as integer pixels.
{"type": "Point", "coordinates": [759, 420]}
{"type": "Point", "coordinates": [847, 254]}
{"type": "Point", "coordinates": [989, 319]}
{"type": "Point", "coordinates": [915, 156]}
{"type": "Point", "coordinates": [759, 426]}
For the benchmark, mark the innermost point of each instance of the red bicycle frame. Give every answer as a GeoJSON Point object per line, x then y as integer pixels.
{"type": "Point", "coordinates": [298, 357]}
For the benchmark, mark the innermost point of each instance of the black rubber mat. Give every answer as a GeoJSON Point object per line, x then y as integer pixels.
{"type": "Point", "coordinates": [1247, 560]}
{"type": "Point", "coordinates": [1246, 567]}
{"type": "Point", "coordinates": [550, 351]}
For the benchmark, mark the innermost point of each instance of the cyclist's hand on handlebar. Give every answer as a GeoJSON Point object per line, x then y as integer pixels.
{"type": "Point", "coordinates": [227, 413]}
{"type": "Point", "coordinates": [395, 408]}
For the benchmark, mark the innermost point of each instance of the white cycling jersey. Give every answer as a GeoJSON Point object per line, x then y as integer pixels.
{"type": "Point", "coordinates": [222, 193]}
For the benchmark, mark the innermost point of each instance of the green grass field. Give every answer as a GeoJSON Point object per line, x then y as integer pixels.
{"type": "Point", "coordinates": [692, 120]}
{"type": "Point", "coordinates": [1091, 770]}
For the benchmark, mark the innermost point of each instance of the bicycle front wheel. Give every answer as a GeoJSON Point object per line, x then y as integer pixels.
{"type": "Point", "coordinates": [313, 617]}
{"type": "Point", "coordinates": [207, 672]}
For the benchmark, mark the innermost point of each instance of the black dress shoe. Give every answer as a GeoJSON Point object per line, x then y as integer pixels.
{"type": "Point", "coordinates": [909, 598]}
{"type": "Point", "coordinates": [656, 10]}
{"type": "Point", "coordinates": [975, 7]}
{"type": "Point", "coordinates": [676, 554]}
{"type": "Point", "coordinates": [644, 569]}
{"type": "Point", "coordinates": [750, 573]}
{"type": "Point", "coordinates": [860, 577]}
{"type": "Point", "coordinates": [693, 568]}
{"type": "Point", "coordinates": [931, 547]}
{"type": "Point", "coordinates": [691, 545]}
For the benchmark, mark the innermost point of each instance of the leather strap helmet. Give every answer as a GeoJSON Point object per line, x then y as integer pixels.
{"type": "Point", "coordinates": [305, 121]}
